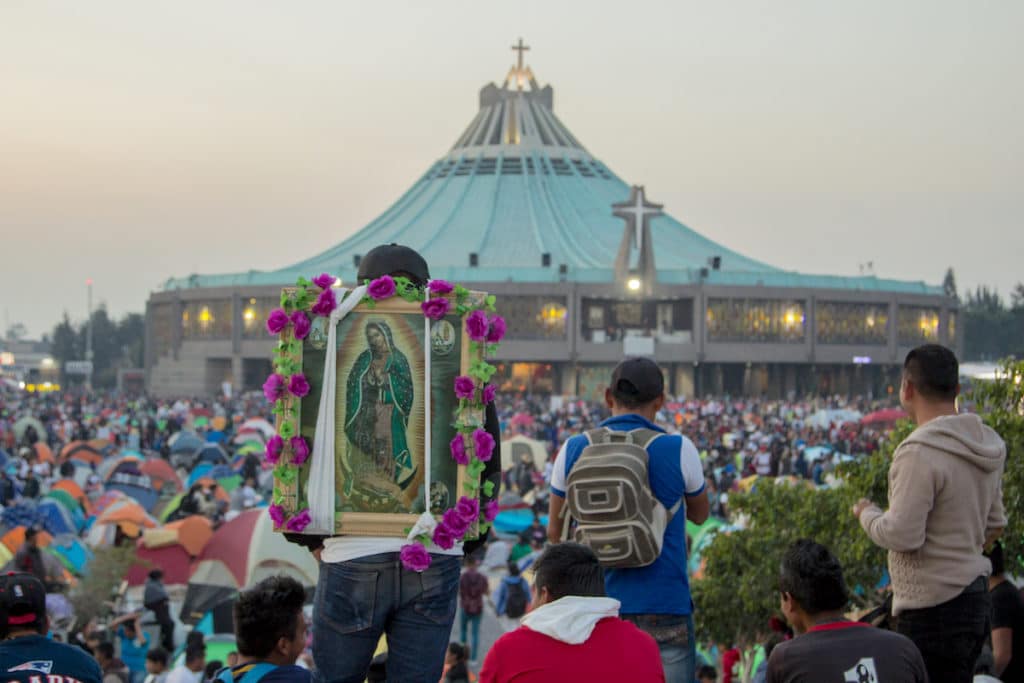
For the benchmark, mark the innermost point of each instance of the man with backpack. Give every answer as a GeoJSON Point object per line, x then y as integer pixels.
{"type": "Point", "coordinates": [512, 598]}
{"type": "Point", "coordinates": [270, 631]}
{"type": "Point", "coordinates": [624, 487]}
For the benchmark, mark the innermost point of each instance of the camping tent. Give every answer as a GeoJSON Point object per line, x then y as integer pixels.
{"type": "Point", "coordinates": [515, 449]}
{"type": "Point", "coordinates": [240, 553]}
{"type": "Point", "coordinates": [173, 559]}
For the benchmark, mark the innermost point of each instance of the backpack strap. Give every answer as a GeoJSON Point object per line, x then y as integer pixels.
{"type": "Point", "coordinates": [593, 436]}
{"type": "Point", "coordinates": [645, 437]}
{"type": "Point", "coordinates": [251, 674]}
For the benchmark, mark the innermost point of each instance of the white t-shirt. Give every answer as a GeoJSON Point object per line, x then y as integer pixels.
{"type": "Point", "coordinates": [345, 548]}
{"type": "Point", "coordinates": [182, 674]}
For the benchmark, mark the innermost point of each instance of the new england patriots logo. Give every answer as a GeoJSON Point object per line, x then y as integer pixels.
{"type": "Point", "coordinates": [39, 665]}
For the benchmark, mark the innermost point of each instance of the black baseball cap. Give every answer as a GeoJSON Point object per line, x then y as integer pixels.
{"type": "Point", "coordinates": [24, 600]}
{"type": "Point", "coordinates": [637, 380]}
{"type": "Point", "coordinates": [388, 259]}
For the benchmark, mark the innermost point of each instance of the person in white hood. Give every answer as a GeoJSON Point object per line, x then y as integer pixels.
{"type": "Point", "coordinates": [574, 633]}
{"type": "Point", "coordinates": [945, 506]}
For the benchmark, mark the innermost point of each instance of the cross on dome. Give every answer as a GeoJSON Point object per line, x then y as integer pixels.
{"type": "Point", "coordinates": [519, 71]}
{"type": "Point", "coordinates": [637, 212]}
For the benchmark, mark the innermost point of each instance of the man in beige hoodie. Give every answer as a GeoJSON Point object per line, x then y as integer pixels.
{"type": "Point", "coordinates": [945, 506]}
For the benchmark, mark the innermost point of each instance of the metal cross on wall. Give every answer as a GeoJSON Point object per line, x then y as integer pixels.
{"type": "Point", "coordinates": [637, 212]}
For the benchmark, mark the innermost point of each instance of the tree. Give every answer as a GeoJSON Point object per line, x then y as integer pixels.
{"type": "Point", "coordinates": [739, 591]}
{"type": "Point", "coordinates": [1017, 298]}
{"type": "Point", "coordinates": [949, 285]}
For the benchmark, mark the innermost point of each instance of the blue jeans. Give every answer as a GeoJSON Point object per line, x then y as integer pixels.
{"type": "Point", "coordinates": [473, 622]}
{"type": "Point", "coordinates": [674, 635]}
{"type": "Point", "coordinates": [359, 600]}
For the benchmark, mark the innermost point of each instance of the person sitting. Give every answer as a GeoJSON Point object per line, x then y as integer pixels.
{"type": "Point", "coordinates": [574, 633]}
{"type": "Point", "coordinates": [831, 647]}
{"type": "Point", "coordinates": [270, 631]}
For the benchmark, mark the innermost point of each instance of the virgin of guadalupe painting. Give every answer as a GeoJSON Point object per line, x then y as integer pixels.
{"type": "Point", "coordinates": [379, 397]}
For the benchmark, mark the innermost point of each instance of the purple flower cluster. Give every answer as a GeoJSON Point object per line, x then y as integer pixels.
{"type": "Point", "coordinates": [298, 385]}
{"type": "Point", "coordinates": [492, 510]}
{"type": "Point", "coordinates": [483, 445]}
{"type": "Point", "coordinates": [299, 521]}
{"type": "Point", "coordinates": [325, 303]}
{"type": "Point", "coordinates": [300, 325]}
{"type": "Point", "coordinates": [381, 288]}
{"type": "Point", "coordinates": [414, 557]}
{"type": "Point", "coordinates": [277, 321]}
{"type": "Point", "coordinates": [324, 281]}
{"type": "Point", "coordinates": [490, 391]}
{"type": "Point", "coordinates": [276, 513]}
{"type": "Point", "coordinates": [477, 326]}
{"type": "Point", "coordinates": [300, 449]}
{"type": "Point", "coordinates": [464, 387]}
{"type": "Point", "coordinates": [274, 447]}
{"type": "Point", "coordinates": [440, 287]}
{"type": "Point", "coordinates": [273, 388]}
{"type": "Point", "coordinates": [458, 449]}
{"type": "Point", "coordinates": [497, 329]}
{"type": "Point", "coordinates": [435, 309]}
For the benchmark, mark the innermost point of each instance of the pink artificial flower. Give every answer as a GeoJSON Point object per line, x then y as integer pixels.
{"type": "Point", "coordinates": [443, 537]}
{"type": "Point", "coordinates": [477, 326]}
{"type": "Point", "coordinates": [277, 515]}
{"type": "Point", "coordinates": [464, 387]}
{"type": "Point", "coordinates": [299, 521]}
{"type": "Point", "coordinates": [468, 508]}
{"type": "Point", "coordinates": [381, 288]}
{"type": "Point", "coordinates": [274, 447]}
{"type": "Point", "coordinates": [277, 321]}
{"type": "Point", "coordinates": [273, 387]}
{"type": "Point", "coordinates": [300, 325]}
{"type": "Point", "coordinates": [300, 449]}
{"type": "Point", "coordinates": [324, 281]}
{"type": "Point", "coordinates": [490, 391]}
{"type": "Point", "coordinates": [440, 287]}
{"type": "Point", "coordinates": [454, 521]}
{"type": "Point", "coordinates": [483, 444]}
{"type": "Point", "coordinates": [491, 510]}
{"type": "Point", "coordinates": [497, 330]}
{"type": "Point", "coordinates": [325, 303]}
{"type": "Point", "coordinates": [458, 448]}
{"type": "Point", "coordinates": [414, 557]}
{"type": "Point", "coordinates": [298, 385]}
{"type": "Point", "coordinates": [435, 309]}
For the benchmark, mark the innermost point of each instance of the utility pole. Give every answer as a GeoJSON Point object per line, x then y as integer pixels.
{"type": "Point", "coordinates": [88, 333]}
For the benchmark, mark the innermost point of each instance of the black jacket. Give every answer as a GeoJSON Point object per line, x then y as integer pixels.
{"type": "Point", "coordinates": [492, 473]}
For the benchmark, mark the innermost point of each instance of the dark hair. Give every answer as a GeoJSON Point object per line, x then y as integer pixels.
{"type": "Point", "coordinates": [813, 577]}
{"type": "Point", "coordinates": [194, 652]}
{"type": "Point", "coordinates": [934, 372]}
{"type": "Point", "coordinates": [30, 533]}
{"type": "Point", "coordinates": [997, 559]}
{"type": "Point", "coordinates": [267, 612]}
{"type": "Point", "coordinates": [156, 574]}
{"type": "Point", "coordinates": [158, 655]}
{"type": "Point", "coordinates": [195, 639]}
{"type": "Point", "coordinates": [513, 568]}
{"type": "Point", "coordinates": [212, 668]}
{"type": "Point", "coordinates": [707, 672]}
{"type": "Point", "coordinates": [569, 569]}
{"type": "Point", "coordinates": [106, 649]}
{"type": "Point", "coordinates": [460, 651]}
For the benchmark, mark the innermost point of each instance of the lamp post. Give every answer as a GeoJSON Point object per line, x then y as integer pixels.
{"type": "Point", "coordinates": [88, 332]}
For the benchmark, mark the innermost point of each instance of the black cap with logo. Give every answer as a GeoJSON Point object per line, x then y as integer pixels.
{"type": "Point", "coordinates": [389, 259]}
{"type": "Point", "coordinates": [23, 599]}
{"type": "Point", "coordinates": [637, 381]}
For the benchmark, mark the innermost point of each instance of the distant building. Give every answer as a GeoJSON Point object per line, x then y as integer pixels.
{"type": "Point", "coordinates": [28, 365]}
{"type": "Point", "coordinates": [587, 271]}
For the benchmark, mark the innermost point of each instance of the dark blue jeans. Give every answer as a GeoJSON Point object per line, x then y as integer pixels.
{"type": "Point", "coordinates": [674, 635]}
{"type": "Point", "coordinates": [358, 601]}
{"type": "Point", "coordinates": [950, 636]}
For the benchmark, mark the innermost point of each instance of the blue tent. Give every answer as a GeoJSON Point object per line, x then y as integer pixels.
{"type": "Point", "coordinates": [201, 470]}
{"type": "Point", "coordinates": [54, 517]}
{"type": "Point", "coordinates": [72, 553]}
{"type": "Point", "coordinates": [212, 453]}
{"type": "Point", "coordinates": [186, 443]}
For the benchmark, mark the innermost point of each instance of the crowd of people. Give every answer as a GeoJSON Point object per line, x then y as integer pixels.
{"type": "Point", "coordinates": [600, 592]}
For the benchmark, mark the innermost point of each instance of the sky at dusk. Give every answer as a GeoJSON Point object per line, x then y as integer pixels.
{"type": "Point", "coordinates": [146, 140]}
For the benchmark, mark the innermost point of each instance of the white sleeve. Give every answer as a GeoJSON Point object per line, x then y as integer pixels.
{"type": "Point", "coordinates": [558, 473]}
{"type": "Point", "coordinates": [691, 467]}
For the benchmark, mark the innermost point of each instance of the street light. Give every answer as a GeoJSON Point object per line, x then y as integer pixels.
{"type": "Point", "coordinates": [633, 284]}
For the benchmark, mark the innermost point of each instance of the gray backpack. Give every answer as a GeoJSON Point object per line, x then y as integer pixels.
{"type": "Point", "coordinates": [608, 495]}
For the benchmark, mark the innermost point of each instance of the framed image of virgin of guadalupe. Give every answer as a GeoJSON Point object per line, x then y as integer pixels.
{"type": "Point", "coordinates": [393, 418]}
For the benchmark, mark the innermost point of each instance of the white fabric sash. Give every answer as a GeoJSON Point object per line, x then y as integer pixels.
{"type": "Point", "coordinates": [321, 470]}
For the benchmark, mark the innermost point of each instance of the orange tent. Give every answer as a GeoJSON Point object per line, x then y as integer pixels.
{"type": "Point", "coordinates": [219, 493]}
{"type": "Point", "coordinates": [80, 450]}
{"type": "Point", "coordinates": [99, 445]}
{"type": "Point", "coordinates": [129, 512]}
{"type": "Point", "coordinates": [71, 487]}
{"type": "Point", "coordinates": [161, 472]}
{"type": "Point", "coordinates": [194, 533]}
{"type": "Point", "coordinates": [43, 452]}
{"type": "Point", "coordinates": [15, 538]}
